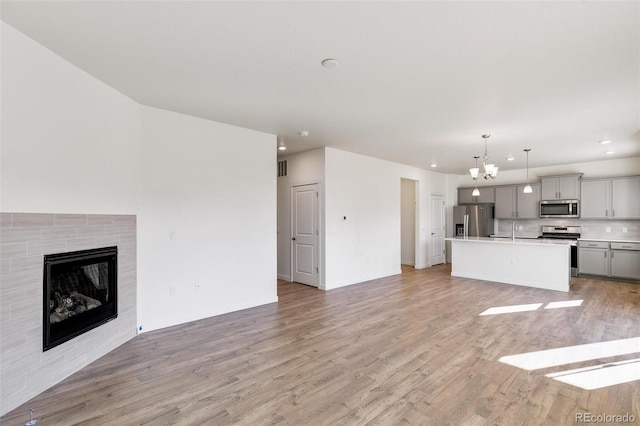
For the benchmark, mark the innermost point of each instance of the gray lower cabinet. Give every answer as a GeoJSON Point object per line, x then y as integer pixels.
{"type": "Point", "coordinates": [609, 259]}
{"type": "Point", "coordinates": [625, 260]}
{"type": "Point", "coordinates": [593, 258]}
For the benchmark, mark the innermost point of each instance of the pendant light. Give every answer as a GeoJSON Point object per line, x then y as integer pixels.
{"type": "Point", "coordinates": [490, 169]}
{"type": "Point", "coordinates": [527, 189]}
{"type": "Point", "coordinates": [474, 171]}
{"type": "Point", "coordinates": [474, 175]}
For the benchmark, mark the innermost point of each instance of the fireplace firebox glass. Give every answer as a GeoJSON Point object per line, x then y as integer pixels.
{"type": "Point", "coordinates": [80, 293]}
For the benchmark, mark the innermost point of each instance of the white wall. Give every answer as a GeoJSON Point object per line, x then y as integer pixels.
{"type": "Point", "coordinates": [199, 185]}
{"type": "Point", "coordinates": [70, 143]}
{"type": "Point", "coordinates": [302, 169]}
{"type": "Point", "coordinates": [365, 190]}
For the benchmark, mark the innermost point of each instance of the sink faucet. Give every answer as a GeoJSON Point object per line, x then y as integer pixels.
{"type": "Point", "coordinates": [513, 230]}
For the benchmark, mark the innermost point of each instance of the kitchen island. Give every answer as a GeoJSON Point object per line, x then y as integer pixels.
{"type": "Point", "coordinates": [527, 262]}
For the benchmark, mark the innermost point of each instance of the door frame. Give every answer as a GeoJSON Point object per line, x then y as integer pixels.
{"type": "Point", "coordinates": [444, 226]}
{"type": "Point", "coordinates": [319, 207]}
{"type": "Point", "coordinates": [416, 220]}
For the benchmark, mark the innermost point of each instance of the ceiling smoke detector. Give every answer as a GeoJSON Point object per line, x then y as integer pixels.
{"type": "Point", "coordinates": [330, 63]}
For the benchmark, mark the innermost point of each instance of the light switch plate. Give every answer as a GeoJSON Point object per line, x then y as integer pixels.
{"type": "Point", "coordinates": [608, 229]}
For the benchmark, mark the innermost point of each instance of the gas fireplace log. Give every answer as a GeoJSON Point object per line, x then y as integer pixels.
{"type": "Point", "coordinates": [72, 304]}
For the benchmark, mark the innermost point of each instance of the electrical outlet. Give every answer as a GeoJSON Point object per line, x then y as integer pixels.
{"type": "Point", "coordinates": [520, 228]}
{"type": "Point", "coordinates": [624, 229]}
{"type": "Point", "coordinates": [172, 290]}
{"type": "Point", "coordinates": [608, 229]}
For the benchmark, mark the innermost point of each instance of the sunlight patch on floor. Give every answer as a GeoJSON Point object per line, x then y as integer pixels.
{"type": "Point", "coordinates": [601, 376]}
{"type": "Point", "coordinates": [510, 309]}
{"type": "Point", "coordinates": [591, 377]}
{"type": "Point", "coordinates": [571, 354]}
{"type": "Point", "coordinates": [564, 304]}
{"type": "Point", "coordinates": [497, 310]}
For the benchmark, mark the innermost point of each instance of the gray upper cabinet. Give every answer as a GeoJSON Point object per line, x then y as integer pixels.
{"type": "Point", "coordinates": [528, 204]}
{"type": "Point", "coordinates": [625, 198]}
{"type": "Point", "coordinates": [561, 187]}
{"type": "Point", "coordinates": [513, 203]}
{"type": "Point", "coordinates": [595, 200]}
{"type": "Point", "coordinates": [614, 198]}
{"type": "Point", "coordinates": [465, 197]}
{"type": "Point", "coordinates": [486, 196]}
{"type": "Point", "coordinates": [505, 207]}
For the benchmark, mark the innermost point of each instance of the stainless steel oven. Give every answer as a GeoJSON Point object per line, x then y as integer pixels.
{"type": "Point", "coordinates": [560, 208]}
{"type": "Point", "coordinates": [571, 233]}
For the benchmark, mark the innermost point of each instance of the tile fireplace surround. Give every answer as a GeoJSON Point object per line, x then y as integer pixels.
{"type": "Point", "coordinates": [25, 370]}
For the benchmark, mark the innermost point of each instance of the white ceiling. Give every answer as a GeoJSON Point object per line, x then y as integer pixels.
{"type": "Point", "coordinates": [417, 81]}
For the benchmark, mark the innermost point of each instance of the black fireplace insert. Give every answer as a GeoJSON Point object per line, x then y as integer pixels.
{"type": "Point", "coordinates": [80, 293]}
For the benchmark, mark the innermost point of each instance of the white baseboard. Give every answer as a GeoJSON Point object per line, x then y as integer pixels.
{"type": "Point", "coordinates": [194, 316]}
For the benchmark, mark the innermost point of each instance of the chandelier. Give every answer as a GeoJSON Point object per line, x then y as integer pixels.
{"type": "Point", "coordinates": [490, 169]}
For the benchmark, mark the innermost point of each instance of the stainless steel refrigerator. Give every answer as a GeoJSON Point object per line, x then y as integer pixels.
{"type": "Point", "coordinates": [473, 220]}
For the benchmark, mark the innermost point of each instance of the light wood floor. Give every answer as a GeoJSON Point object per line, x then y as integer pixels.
{"type": "Point", "coordinates": [408, 349]}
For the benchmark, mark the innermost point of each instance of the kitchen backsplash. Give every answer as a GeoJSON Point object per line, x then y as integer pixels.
{"type": "Point", "coordinates": [589, 228]}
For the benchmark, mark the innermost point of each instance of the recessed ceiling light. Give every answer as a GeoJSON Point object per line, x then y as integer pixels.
{"type": "Point", "coordinates": [510, 158]}
{"type": "Point", "coordinates": [433, 164]}
{"type": "Point", "coordinates": [281, 145]}
{"type": "Point", "coordinates": [604, 142]}
{"type": "Point", "coordinates": [303, 133]}
{"type": "Point", "coordinates": [330, 63]}
{"type": "Point", "coordinates": [610, 152]}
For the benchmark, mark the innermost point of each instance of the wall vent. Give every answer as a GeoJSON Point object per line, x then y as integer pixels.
{"type": "Point", "coordinates": [282, 168]}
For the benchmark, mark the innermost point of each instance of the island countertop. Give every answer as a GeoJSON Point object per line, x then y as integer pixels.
{"type": "Point", "coordinates": [540, 263]}
{"type": "Point", "coordinates": [508, 240]}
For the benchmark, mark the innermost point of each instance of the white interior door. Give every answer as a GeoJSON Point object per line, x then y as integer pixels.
{"type": "Point", "coordinates": [437, 230]}
{"type": "Point", "coordinates": [304, 234]}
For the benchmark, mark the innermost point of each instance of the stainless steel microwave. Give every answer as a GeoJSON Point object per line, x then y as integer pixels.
{"type": "Point", "coordinates": [560, 208]}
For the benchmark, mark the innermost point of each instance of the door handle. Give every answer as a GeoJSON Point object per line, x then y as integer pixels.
{"type": "Point", "coordinates": [293, 238]}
